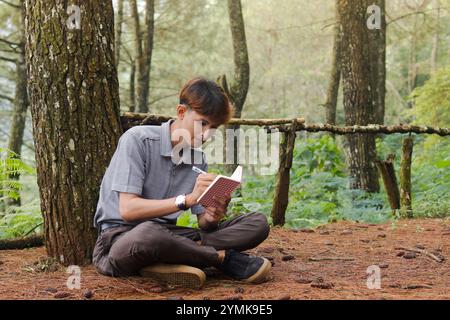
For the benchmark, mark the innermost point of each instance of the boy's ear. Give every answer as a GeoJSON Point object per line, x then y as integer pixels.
{"type": "Point", "coordinates": [181, 111]}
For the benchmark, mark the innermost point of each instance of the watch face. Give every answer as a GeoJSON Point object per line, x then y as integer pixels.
{"type": "Point", "coordinates": [181, 202]}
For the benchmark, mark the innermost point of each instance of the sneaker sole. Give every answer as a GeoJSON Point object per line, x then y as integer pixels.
{"type": "Point", "coordinates": [261, 275]}
{"type": "Point", "coordinates": [181, 275]}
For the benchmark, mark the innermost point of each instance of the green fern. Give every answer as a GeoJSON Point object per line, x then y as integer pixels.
{"type": "Point", "coordinates": [11, 165]}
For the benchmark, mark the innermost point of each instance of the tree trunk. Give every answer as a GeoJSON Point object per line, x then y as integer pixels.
{"type": "Point", "coordinates": [118, 29]}
{"type": "Point", "coordinates": [20, 107]}
{"type": "Point", "coordinates": [239, 87]}
{"type": "Point", "coordinates": [335, 77]}
{"type": "Point", "coordinates": [74, 97]}
{"type": "Point", "coordinates": [359, 100]}
{"type": "Point", "coordinates": [133, 87]}
{"type": "Point", "coordinates": [377, 43]}
{"type": "Point", "coordinates": [240, 84]}
{"type": "Point", "coordinates": [412, 65]}
{"type": "Point", "coordinates": [144, 49]}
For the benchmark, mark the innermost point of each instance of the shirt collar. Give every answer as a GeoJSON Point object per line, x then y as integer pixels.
{"type": "Point", "coordinates": [166, 141]}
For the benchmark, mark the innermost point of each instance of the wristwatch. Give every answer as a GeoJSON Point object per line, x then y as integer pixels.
{"type": "Point", "coordinates": [180, 202]}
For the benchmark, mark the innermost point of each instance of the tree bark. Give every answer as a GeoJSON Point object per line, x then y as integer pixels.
{"type": "Point", "coordinates": [359, 100]}
{"type": "Point", "coordinates": [144, 49]}
{"type": "Point", "coordinates": [74, 98]}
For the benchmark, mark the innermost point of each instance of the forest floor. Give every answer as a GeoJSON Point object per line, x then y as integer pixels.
{"type": "Point", "coordinates": [330, 262]}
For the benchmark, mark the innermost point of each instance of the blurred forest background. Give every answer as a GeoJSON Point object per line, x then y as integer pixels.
{"type": "Point", "coordinates": [290, 49]}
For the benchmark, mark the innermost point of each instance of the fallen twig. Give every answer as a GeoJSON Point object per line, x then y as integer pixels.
{"type": "Point", "coordinates": [432, 256]}
{"type": "Point", "coordinates": [332, 259]}
{"type": "Point", "coordinates": [410, 286]}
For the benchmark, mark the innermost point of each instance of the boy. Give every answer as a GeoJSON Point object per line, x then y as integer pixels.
{"type": "Point", "coordinates": [146, 187]}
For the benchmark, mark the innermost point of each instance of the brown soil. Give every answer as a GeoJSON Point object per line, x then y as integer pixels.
{"type": "Point", "coordinates": [328, 263]}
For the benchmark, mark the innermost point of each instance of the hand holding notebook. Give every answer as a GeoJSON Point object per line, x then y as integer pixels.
{"type": "Point", "coordinates": [222, 187]}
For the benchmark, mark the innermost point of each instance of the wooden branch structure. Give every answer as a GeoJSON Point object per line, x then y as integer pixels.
{"type": "Point", "coordinates": [283, 125]}
{"type": "Point", "coordinates": [369, 129]}
{"type": "Point", "coordinates": [288, 127]}
{"type": "Point", "coordinates": [130, 119]}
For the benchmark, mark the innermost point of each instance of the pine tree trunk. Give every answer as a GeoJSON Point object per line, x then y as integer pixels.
{"type": "Point", "coordinates": [335, 77]}
{"type": "Point", "coordinates": [377, 42]}
{"type": "Point", "coordinates": [240, 84]}
{"type": "Point", "coordinates": [74, 102]}
{"type": "Point", "coordinates": [239, 87]}
{"type": "Point", "coordinates": [358, 93]}
{"type": "Point", "coordinates": [133, 87]}
{"type": "Point", "coordinates": [144, 50]}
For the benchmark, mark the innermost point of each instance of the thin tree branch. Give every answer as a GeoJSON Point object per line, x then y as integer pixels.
{"type": "Point", "coordinates": [11, 4]}
{"type": "Point", "coordinates": [422, 12]}
{"type": "Point", "coordinates": [5, 97]}
{"type": "Point", "coordinates": [10, 43]}
{"type": "Point", "coordinates": [8, 50]}
{"type": "Point", "coordinates": [7, 59]}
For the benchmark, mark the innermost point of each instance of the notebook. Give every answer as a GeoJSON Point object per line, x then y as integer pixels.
{"type": "Point", "coordinates": [221, 187]}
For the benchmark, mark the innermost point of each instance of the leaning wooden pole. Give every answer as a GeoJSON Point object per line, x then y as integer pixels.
{"type": "Point", "coordinates": [281, 198]}
{"type": "Point", "coordinates": [405, 178]}
{"type": "Point", "coordinates": [387, 172]}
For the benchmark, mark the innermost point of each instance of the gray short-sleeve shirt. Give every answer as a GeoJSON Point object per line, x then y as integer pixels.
{"type": "Point", "coordinates": [143, 164]}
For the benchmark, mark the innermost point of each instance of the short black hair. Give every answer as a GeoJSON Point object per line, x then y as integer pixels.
{"type": "Point", "coordinates": [207, 98]}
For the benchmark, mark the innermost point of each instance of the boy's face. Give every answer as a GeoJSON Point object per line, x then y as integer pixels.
{"type": "Point", "coordinates": [199, 127]}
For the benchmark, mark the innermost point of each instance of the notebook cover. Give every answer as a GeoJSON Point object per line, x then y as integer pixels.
{"type": "Point", "coordinates": [220, 188]}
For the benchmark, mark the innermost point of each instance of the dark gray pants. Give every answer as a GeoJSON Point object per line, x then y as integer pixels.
{"type": "Point", "coordinates": [123, 251]}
